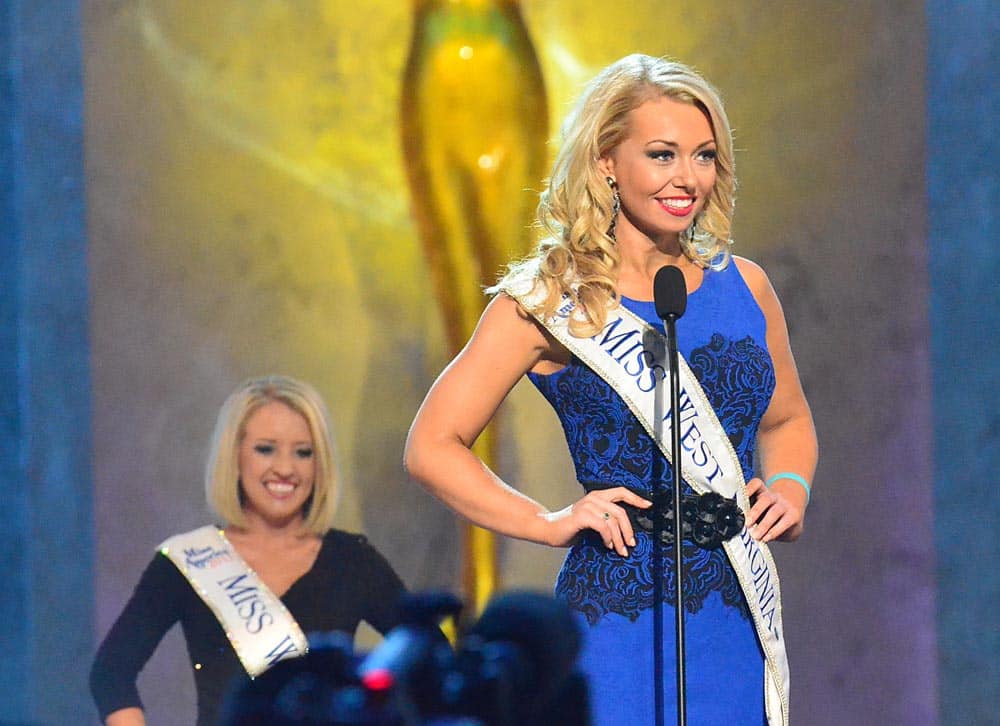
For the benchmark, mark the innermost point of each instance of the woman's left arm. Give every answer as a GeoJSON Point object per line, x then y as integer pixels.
{"type": "Point", "coordinates": [786, 438]}
{"type": "Point", "coordinates": [382, 588]}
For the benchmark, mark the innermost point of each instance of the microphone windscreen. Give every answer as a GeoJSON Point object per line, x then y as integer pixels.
{"type": "Point", "coordinates": [669, 292]}
{"type": "Point", "coordinates": [541, 626]}
{"type": "Point", "coordinates": [427, 608]}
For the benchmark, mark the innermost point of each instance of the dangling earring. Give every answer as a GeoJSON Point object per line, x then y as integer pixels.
{"type": "Point", "coordinates": [687, 235]}
{"type": "Point", "coordinates": [616, 204]}
{"type": "Point", "coordinates": [696, 239]}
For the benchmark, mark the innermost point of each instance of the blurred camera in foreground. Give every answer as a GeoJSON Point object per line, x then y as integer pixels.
{"type": "Point", "coordinates": [516, 665]}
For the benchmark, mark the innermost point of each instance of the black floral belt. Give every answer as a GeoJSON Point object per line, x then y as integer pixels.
{"type": "Point", "coordinates": [707, 519]}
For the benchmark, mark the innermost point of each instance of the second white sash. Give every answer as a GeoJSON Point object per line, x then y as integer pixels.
{"type": "Point", "coordinates": [258, 625]}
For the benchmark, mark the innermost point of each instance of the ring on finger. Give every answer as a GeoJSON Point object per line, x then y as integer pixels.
{"type": "Point", "coordinates": [607, 516]}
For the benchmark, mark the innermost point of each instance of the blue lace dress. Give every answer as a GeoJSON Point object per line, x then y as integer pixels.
{"type": "Point", "coordinates": [722, 337]}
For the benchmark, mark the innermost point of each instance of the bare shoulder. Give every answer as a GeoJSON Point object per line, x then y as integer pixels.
{"type": "Point", "coordinates": [752, 272]}
{"type": "Point", "coordinates": [757, 280]}
{"type": "Point", "coordinates": [504, 315]}
{"type": "Point", "coordinates": [762, 291]}
{"type": "Point", "coordinates": [507, 321]}
{"type": "Point", "coordinates": [504, 305]}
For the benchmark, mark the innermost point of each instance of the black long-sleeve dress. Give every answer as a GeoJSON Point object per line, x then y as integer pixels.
{"type": "Point", "coordinates": [349, 582]}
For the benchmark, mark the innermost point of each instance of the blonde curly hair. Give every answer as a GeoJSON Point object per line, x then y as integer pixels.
{"type": "Point", "coordinates": [577, 257]}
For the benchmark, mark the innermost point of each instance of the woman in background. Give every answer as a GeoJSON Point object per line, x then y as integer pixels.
{"type": "Point", "coordinates": [644, 178]}
{"type": "Point", "coordinates": [246, 592]}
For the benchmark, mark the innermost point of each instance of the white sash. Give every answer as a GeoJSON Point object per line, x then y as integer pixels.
{"type": "Point", "coordinates": [629, 355]}
{"type": "Point", "coordinates": [258, 625]}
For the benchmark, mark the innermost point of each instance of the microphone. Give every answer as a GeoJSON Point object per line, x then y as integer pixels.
{"type": "Point", "coordinates": [669, 292]}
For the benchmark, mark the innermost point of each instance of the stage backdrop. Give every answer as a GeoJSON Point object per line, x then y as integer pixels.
{"type": "Point", "coordinates": [249, 213]}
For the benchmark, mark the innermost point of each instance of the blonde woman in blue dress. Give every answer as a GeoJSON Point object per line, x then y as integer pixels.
{"type": "Point", "coordinates": [644, 178]}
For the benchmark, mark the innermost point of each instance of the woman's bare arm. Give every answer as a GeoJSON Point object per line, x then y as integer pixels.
{"type": "Point", "coordinates": [786, 438]}
{"type": "Point", "coordinates": [506, 345]}
{"type": "Point", "coordinates": [126, 717]}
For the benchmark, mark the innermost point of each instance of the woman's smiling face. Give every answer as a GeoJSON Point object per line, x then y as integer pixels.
{"type": "Point", "coordinates": [276, 462]}
{"type": "Point", "coordinates": [664, 168]}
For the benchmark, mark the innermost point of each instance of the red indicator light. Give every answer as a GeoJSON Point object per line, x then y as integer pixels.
{"type": "Point", "coordinates": [379, 679]}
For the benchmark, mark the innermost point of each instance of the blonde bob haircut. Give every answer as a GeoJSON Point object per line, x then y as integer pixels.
{"type": "Point", "coordinates": [222, 474]}
{"type": "Point", "coordinates": [577, 257]}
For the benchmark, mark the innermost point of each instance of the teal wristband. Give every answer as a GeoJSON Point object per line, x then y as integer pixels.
{"type": "Point", "coordinates": [793, 477]}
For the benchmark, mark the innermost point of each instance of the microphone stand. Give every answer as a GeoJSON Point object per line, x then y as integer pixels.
{"type": "Point", "coordinates": [670, 300]}
{"type": "Point", "coordinates": [670, 328]}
